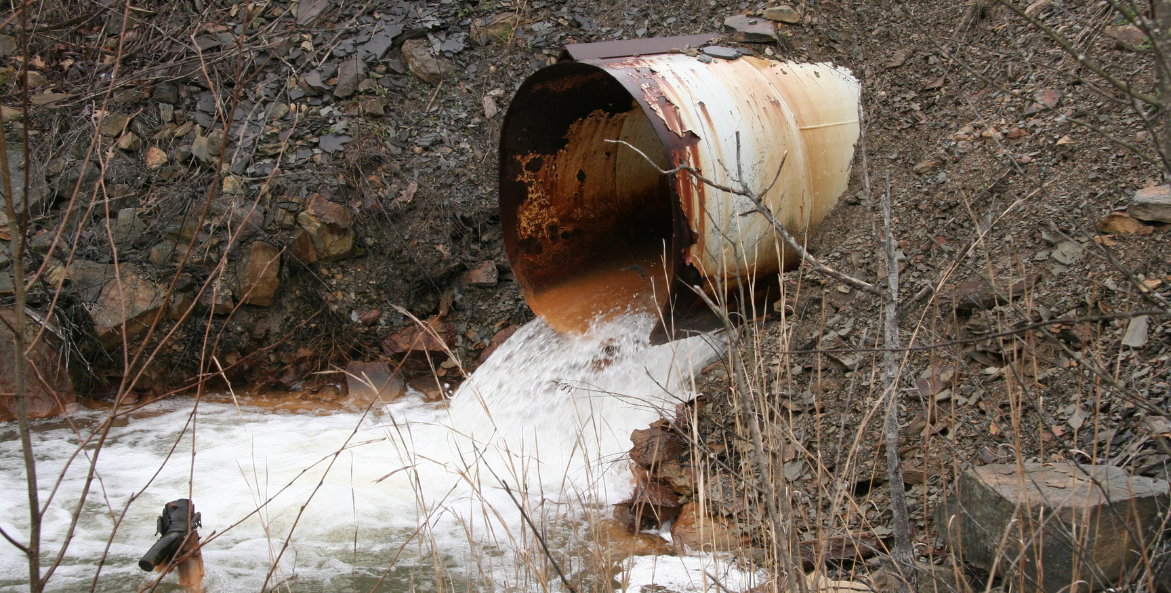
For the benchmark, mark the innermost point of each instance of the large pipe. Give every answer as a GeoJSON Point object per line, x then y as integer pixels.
{"type": "Point", "coordinates": [592, 229]}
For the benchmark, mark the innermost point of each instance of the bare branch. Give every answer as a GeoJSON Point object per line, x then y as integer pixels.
{"type": "Point", "coordinates": [759, 207]}
{"type": "Point", "coordinates": [904, 554]}
{"type": "Point", "coordinates": [1064, 43]}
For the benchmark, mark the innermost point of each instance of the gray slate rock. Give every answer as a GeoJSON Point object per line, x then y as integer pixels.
{"type": "Point", "coordinates": [379, 43]}
{"type": "Point", "coordinates": [315, 81]}
{"type": "Point", "coordinates": [128, 228]}
{"type": "Point", "coordinates": [348, 76]}
{"type": "Point", "coordinates": [722, 52]}
{"type": "Point", "coordinates": [1152, 204]}
{"type": "Point", "coordinates": [332, 143]}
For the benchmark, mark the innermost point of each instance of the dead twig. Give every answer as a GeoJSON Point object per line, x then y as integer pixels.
{"type": "Point", "coordinates": [758, 207]}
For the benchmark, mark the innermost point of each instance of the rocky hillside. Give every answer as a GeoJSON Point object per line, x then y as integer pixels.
{"type": "Point", "coordinates": [288, 181]}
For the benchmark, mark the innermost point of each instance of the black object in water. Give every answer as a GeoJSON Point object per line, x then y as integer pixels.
{"type": "Point", "coordinates": [173, 527]}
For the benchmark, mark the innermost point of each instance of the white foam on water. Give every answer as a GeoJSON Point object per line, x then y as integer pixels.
{"type": "Point", "coordinates": [689, 574]}
{"type": "Point", "coordinates": [549, 415]}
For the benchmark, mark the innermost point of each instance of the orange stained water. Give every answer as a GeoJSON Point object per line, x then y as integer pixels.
{"type": "Point", "coordinates": [632, 284]}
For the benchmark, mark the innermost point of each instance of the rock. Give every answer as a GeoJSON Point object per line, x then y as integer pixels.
{"type": "Point", "coordinates": [1128, 37]}
{"type": "Point", "coordinates": [1067, 252]}
{"type": "Point", "coordinates": [746, 29]}
{"type": "Point", "coordinates": [483, 274]}
{"type": "Point", "coordinates": [201, 149]}
{"type": "Point", "coordinates": [1120, 223]}
{"type": "Point", "coordinates": [370, 317]}
{"type": "Point", "coordinates": [374, 381]}
{"type": "Point", "coordinates": [618, 544]}
{"type": "Point", "coordinates": [179, 305]}
{"type": "Point", "coordinates": [695, 531]}
{"type": "Point", "coordinates": [1136, 332]}
{"type": "Point", "coordinates": [933, 579]}
{"type": "Point", "coordinates": [432, 388]}
{"type": "Point", "coordinates": [285, 219]}
{"type": "Point", "coordinates": [782, 14]}
{"type": "Point", "coordinates": [1152, 204]}
{"type": "Point", "coordinates": [166, 92]}
{"type": "Point", "coordinates": [128, 228]}
{"type": "Point", "coordinates": [680, 477]}
{"type": "Point", "coordinates": [653, 446]}
{"type": "Point", "coordinates": [652, 505]}
{"type": "Point", "coordinates": [259, 274]}
{"type": "Point", "coordinates": [10, 114]}
{"type": "Point", "coordinates": [373, 107]}
{"type": "Point", "coordinates": [328, 226]}
{"type": "Point", "coordinates": [160, 254]}
{"type": "Point", "coordinates": [434, 336]}
{"type": "Point", "coordinates": [928, 166]}
{"type": "Point", "coordinates": [997, 508]}
{"type": "Point", "coordinates": [367, 85]}
{"type": "Point", "coordinates": [313, 83]}
{"type": "Point", "coordinates": [976, 293]}
{"type": "Point", "coordinates": [278, 111]}
{"type": "Point", "coordinates": [207, 148]}
{"type": "Point", "coordinates": [722, 52]}
{"type": "Point", "coordinates": [301, 252]}
{"type": "Point", "coordinates": [348, 74]}
{"type": "Point", "coordinates": [913, 473]}
{"type": "Point", "coordinates": [217, 298]}
{"type": "Point", "coordinates": [417, 53]}
{"type": "Point", "coordinates": [500, 28]}
{"type": "Point", "coordinates": [125, 309]}
{"type": "Point", "coordinates": [897, 59]}
{"type": "Point", "coordinates": [1044, 98]}
{"type": "Point", "coordinates": [233, 185]}
{"type": "Point", "coordinates": [48, 389]}
{"type": "Point", "coordinates": [113, 124]}
{"type": "Point", "coordinates": [309, 10]}
{"type": "Point", "coordinates": [184, 129]}
{"type": "Point", "coordinates": [332, 143]}
{"type": "Point", "coordinates": [155, 158]}
{"type": "Point", "coordinates": [490, 109]}
{"type": "Point", "coordinates": [838, 548]}
{"type": "Point", "coordinates": [38, 191]}
{"type": "Point", "coordinates": [88, 278]}
{"type": "Point", "coordinates": [36, 79]}
{"type": "Point", "coordinates": [244, 219]}
{"type": "Point", "coordinates": [129, 142]}
{"type": "Point", "coordinates": [496, 341]}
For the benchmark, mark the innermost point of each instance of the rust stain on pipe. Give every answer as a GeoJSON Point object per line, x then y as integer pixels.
{"type": "Point", "coordinates": [591, 229]}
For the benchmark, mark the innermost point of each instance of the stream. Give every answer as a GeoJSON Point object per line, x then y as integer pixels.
{"type": "Point", "coordinates": [407, 496]}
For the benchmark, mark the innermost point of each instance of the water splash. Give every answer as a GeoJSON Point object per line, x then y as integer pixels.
{"type": "Point", "coordinates": [569, 404]}
{"type": "Point", "coordinates": [411, 494]}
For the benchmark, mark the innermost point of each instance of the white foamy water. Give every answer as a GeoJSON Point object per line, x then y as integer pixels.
{"type": "Point", "coordinates": [403, 494]}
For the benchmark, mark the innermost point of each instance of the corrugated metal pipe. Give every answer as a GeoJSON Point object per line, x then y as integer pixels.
{"type": "Point", "coordinates": [592, 229]}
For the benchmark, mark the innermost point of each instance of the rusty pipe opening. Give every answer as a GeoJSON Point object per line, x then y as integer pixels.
{"type": "Point", "coordinates": [588, 228]}
{"type": "Point", "coordinates": [591, 229]}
